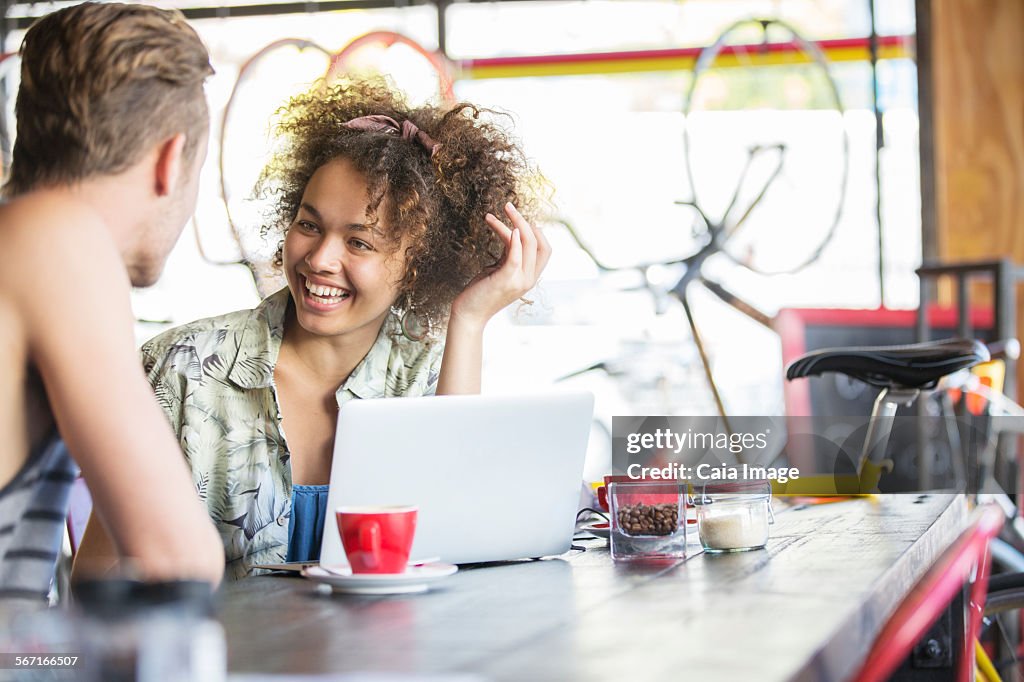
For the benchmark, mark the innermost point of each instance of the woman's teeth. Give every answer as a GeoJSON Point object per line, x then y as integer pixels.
{"type": "Point", "coordinates": [323, 294]}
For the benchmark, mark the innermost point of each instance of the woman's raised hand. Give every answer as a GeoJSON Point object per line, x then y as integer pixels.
{"type": "Point", "coordinates": [526, 254]}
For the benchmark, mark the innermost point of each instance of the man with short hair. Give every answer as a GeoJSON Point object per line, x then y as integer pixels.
{"type": "Point", "coordinates": [112, 131]}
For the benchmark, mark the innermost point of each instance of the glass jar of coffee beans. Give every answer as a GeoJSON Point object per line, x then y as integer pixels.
{"type": "Point", "coordinates": [648, 520]}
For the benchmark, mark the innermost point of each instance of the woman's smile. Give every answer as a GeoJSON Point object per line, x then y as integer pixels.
{"type": "Point", "coordinates": [324, 297]}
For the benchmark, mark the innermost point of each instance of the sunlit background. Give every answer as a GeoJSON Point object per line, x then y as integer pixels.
{"type": "Point", "coordinates": [623, 140]}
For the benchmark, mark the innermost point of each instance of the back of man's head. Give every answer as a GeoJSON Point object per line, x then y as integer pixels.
{"type": "Point", "coordinates": [100, 85]}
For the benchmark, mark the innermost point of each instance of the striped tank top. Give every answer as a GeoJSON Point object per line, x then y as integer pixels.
{"type": "Point", "coordinates": [33, 509]}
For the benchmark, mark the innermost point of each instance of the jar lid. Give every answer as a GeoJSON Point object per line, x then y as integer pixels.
{"type": "Point", "coordinates": [190, 595]}
{"type": "Point", "coordinates": [759, 486]}
{"type": "Point", "coordinates": [124, 598]}
{"type": "Point", "coordinates": [108, 598]}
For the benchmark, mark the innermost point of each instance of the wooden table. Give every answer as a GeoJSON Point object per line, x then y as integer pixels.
{"type": "Point", "coordinates": [806, 607]}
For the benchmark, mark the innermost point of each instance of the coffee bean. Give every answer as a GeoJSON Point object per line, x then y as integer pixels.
{"type": "Point", "coordinates": [646, 519]}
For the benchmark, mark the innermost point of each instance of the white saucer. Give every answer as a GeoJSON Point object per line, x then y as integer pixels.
{"type": "Point", "coordinates": [415, 579]}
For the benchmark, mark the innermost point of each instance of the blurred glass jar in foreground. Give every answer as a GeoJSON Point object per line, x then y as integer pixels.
{"type": "Point", "coordinates": [37, 643]}
{"type": "Point", "coordinates": [734, 517]}
{"type": "Point", "coordinates": [129, 631]}
{"type": "Point", "coordinates": [648, 520]}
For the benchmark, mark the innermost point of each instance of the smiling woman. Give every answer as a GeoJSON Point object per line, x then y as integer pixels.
{"type": "Point", "coordinates": [431, 177]}
{"type": "Point", "coordinates": [387, 218]}
{"type": "Point", "coordinates": [344, 275]}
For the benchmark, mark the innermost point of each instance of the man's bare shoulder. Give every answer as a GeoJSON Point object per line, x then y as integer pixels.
{"type": "Point", "coordinates": [44, 234]}
{"type": "Point", "coordinates": [61, 265]}
{"type": "Point", "coordinates": [41, 223]}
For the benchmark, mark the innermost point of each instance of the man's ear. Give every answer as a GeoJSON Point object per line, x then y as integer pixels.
{"type": "Point", "coordinates": [168, 164]}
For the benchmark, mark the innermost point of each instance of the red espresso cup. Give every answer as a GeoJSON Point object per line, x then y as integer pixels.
{"type": "Point", "coordinates": [377, 539]}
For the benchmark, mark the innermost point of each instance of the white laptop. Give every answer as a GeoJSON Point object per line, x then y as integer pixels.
{"type": "Point", "coordinates": [494, 477]}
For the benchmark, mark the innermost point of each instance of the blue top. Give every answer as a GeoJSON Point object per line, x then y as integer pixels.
{"type": "Point", "coordinates": [306, 524]}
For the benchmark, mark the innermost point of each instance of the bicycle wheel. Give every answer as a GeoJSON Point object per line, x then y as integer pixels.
{"type": "Point", "coordinates": [262, 86]}
{"type": "Point", "coordinates": [419, 72]}
{"type": "Point", "coordinates": [766, 147]}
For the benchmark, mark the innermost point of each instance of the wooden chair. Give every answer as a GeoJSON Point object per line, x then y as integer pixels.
{"type": "Point", "coordinates": [966, 561]}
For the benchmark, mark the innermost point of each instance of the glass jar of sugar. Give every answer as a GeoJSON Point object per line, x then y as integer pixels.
{"type": "Point", "coordinates": [734, 516]}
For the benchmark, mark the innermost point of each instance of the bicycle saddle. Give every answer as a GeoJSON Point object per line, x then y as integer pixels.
{"type": "Point", "coordinates": [918, 365]}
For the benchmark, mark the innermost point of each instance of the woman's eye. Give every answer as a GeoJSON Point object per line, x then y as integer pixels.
{"type": "Point", "coordinates": [307, 226]}
{"type": "Point", "coordinates": [360, 245]}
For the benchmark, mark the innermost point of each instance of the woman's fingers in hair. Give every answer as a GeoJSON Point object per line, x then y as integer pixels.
{"type": "Point", "coordinates": [500, 228]}
{"type": "Point", "coordinates": [516, 241]}
{"type": "Point", "coordinates": [516, 217]}
{"type": "Point", "coordinates": [515, 255]}
{"type": "Point", "coordinates": [527, 237]}
{"type": "Point", "coordinates": [527, 250]}
{"type": "Point", "coordinates": [510, 270]}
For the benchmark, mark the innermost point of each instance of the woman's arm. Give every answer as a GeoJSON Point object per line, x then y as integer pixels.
{"type": "Point", "coordinates": [526, 254]}
{"type": "Point", "coordinates": [462, 360]}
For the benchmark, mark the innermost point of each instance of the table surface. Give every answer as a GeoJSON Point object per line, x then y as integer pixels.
{"type": "Point", "coordinates": [806, 607]}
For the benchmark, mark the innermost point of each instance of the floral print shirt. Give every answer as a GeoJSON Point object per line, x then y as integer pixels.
{"type": "Point", "coordinates": [214, 378]}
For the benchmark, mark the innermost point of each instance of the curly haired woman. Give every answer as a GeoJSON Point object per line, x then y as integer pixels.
{"type": "Point", "coordinates": [390, 245]}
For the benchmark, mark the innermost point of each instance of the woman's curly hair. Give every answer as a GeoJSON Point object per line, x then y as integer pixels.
{"type": "Point", "coordinates": [436, 203]}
